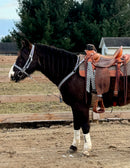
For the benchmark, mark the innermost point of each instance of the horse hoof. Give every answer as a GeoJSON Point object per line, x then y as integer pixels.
{"type": "Point", "coordinates": [85, 153]}
{"type": "Point", "coordinates": [72, 149]}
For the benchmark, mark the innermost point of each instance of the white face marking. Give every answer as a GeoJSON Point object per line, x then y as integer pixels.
{"type": "Point", "coordinates": [11, 72]}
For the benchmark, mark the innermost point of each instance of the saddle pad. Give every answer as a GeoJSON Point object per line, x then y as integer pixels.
{"type": "Point", "coordinates": [128, 69]}
{"type": "Point", "coordinates": [82, 66]}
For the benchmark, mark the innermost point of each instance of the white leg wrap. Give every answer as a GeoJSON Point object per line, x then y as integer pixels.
{"type": "Point", "coordinates": [76, 140]}
{"type": "Point", "coordinates": [87, 144]}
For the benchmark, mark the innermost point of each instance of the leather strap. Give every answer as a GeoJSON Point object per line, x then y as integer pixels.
{"type": "Point", "coordinates": [99, 103]}
{"type": "Point", "coordinates": [117, 78]}
{"type": "Point", "coordinates": [125, 82]}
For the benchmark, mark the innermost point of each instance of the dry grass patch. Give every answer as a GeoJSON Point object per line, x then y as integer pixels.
{"type": "Point", "coordinates": [20, 88]}
{"type": "Point", "coordinates": [40, 107]}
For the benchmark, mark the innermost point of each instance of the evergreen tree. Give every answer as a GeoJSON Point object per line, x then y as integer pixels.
{"type": "Point", "coordinates": [34, 24]}
{"type": "Point", "coordinates": [44, 21]}
{"type": "Point", "coordinates": [112, 16]}
{"type": "Point", "coordinates": [71, 24]}
{"type": "Point", "coordinates": [58, 14]}
{"type": "Point", "coordinates": [84, 27]}
{"type": "Point", "coordinates": [8, 38]}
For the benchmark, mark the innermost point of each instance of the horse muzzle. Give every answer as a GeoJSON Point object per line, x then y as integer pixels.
{"type": "Point", "coordinates": [15, 76]}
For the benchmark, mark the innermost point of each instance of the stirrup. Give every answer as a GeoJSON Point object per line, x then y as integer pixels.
{"type": "Point", "coordinates": [102, 107]}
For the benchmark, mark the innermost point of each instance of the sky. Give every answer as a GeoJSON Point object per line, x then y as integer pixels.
{"type": "Point", "coordinates": [8, 16]}
{"type": "Point", "coordinates": [8, 9]}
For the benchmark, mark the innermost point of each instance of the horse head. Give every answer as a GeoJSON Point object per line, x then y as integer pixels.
{"type": "Point", "coordinates": [25, 63]}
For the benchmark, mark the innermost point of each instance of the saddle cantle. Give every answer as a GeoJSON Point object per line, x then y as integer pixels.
{"type": "Point", "coordinates": [104, 67]}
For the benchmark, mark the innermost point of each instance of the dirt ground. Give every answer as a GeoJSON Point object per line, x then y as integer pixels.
{"type": "Point", "coordinates": [48, 147]}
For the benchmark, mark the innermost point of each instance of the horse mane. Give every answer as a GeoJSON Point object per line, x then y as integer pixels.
{"type": "Point", "coordinates": [57, 62]}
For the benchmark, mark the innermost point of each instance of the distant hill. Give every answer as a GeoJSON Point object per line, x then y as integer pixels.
{"type": "Point", "coordinates": [6, 26]}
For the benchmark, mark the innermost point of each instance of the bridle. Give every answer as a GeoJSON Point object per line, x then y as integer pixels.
{"type": "Point", "coordinates": [27, 64]}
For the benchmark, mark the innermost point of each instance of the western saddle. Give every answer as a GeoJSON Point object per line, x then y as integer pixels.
{"type": "Point", "coordinates": [101, 64]}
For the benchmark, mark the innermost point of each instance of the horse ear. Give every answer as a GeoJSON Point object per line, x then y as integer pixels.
{"type": "Point", "coordinates": [26, 43]}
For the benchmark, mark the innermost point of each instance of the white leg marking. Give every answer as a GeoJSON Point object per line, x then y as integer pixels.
{"type": "Point", "coordinates": [76, 140]}
{"type": "Point", "coordinates": [11, 72]}
{"type": "Point", "coordinates": [87, 144]}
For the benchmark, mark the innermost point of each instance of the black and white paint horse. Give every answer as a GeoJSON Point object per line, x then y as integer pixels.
{"type": "Point", "coordinates": [61, 67]}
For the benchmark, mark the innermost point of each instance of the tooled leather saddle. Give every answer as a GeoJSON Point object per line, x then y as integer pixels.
{"type": "Point", "coordinates": [104, 68]}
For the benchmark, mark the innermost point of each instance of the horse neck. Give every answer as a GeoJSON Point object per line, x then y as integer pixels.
{"type": "Point", "coordinates": [55, 63]}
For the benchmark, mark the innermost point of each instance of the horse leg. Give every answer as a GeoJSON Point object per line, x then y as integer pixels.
{"type": "Point", "coordinates": [81, 120]}
{"type": "Point", "coordinates": [85, 128]}
{"type": "Point", "coordinates": [87, 144]}
{"type": "Point", "coordinates": [76, 138]}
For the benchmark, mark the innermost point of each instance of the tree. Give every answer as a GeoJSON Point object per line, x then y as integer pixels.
{"type": "Point", "coordinates": [58, 14]}
{"type": "Point", "coordinates": [44, 21]}
{"type": "Point", "coordinates": [71, 24]}
{"type": "Point", "coordinates": [84, 28]}
{"type": "Point", "coordinates": [8, 38]}
{"type": "Point", "coordinates": [112, 16]}
{"type": "Point", "coordinates": [34, 20]}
